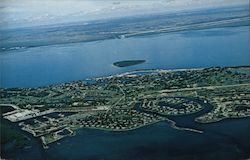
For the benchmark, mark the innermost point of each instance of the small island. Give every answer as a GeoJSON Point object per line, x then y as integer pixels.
{"type": "Point", "coordinates": [128, 63]}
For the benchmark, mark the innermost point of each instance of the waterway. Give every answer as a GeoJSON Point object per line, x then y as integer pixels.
{"type": "Point", "coordinates": [41, 66]}
{"type": "Point", "coordinates": [158, 141]}
{"type": "Point", "coordinates": [225, 140]}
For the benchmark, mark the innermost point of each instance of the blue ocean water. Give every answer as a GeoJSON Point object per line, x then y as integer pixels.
{"type": "Point", "coordinates": [53, 64]}
{"type": "Point", "coordinates": [40, 66]}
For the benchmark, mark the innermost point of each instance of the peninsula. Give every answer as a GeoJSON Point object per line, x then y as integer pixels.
{"type": "Point", "coordinates": [129, 101]}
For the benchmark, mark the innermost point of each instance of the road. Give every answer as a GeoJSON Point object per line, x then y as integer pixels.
{"type": "Point", "coordinates": [199, 88]}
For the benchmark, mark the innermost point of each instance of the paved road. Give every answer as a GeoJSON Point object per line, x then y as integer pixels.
{"type": "Point", "coordinates": [199, 88]}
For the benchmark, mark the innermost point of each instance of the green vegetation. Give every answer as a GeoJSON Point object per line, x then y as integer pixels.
{"type": "Point", "coordinates": [111, 102]}
{"type": "Point", "coordinates": [128, 63]}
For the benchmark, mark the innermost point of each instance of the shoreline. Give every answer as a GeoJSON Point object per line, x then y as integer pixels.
{"type": "Point", "coordinates": [160, 70]}
{"type": "Point", "coordinates": [172, 124]}
{"type": "Point", "coordinates": [220, 119]}
{"type": "Point", "coordinates": [127, 73]}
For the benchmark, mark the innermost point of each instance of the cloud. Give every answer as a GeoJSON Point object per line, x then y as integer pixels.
{"type": "Point", "coordinates": [39, 12]}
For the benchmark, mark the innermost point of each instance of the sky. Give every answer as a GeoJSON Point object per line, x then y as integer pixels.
{"type": "Point", "coordinates": [25, 13]}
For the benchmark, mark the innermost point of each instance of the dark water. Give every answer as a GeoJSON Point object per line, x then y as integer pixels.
{"type": "Point", "coordinates": [157, 141]}
{"type": "Point", "coordinates": [188, 120]}
{"type": "Point", "coordinates": [32, 150]}
{"type": "Point", "coordinates": [228, 139]}
{"type": "Point", "coordinates": [41, 66]}
{"type": "Point", "coordinates": [160, 141]}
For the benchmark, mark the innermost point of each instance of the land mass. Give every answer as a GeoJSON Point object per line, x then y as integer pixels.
{"type": "Point", "coordinates": [128, 63]}
{"type": "Point", "coordinates": [121, 28]}
{"type": "Point", "coordinates": [129, 101]}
